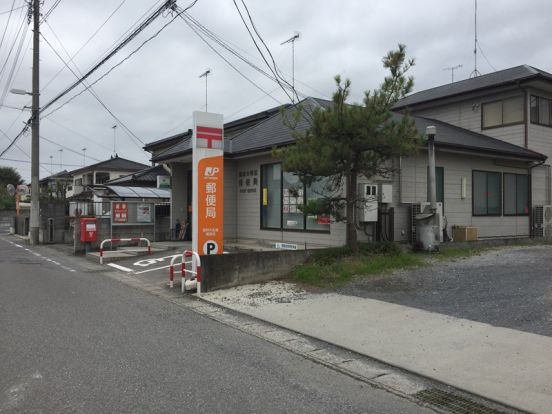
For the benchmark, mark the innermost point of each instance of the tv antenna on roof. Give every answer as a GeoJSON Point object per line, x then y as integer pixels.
{"type": "Point", "coordinates": [475, 71]}
{"type": "Point", "coordinates": [205, 74]}
{"type": "Point", "coordinates": [292, 40]}
{"type": "Point", "coordinates": [452, 69]}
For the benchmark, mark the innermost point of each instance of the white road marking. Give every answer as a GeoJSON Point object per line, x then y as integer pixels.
{"type": "Point", "coordinates": [157, 268]}
{"type": "Point", "coordinates": [116, 266]}
{"type": "Point", "coordinates": [39, 255]}
{"type": "Point", "coordinates": [148, 262]}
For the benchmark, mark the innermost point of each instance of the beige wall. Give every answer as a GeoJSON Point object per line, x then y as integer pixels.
{"type": "Point", "coordinates": [458, 210]}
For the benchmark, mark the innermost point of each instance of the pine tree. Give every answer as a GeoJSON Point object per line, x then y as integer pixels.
{"type": "Point", "coordinates": [346, 141]}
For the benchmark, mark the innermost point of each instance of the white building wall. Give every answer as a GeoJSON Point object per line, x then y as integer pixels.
{"type": "Point", "coordinates": [467, 114]}
{"type": "Point", "coordinates": [458, 210]}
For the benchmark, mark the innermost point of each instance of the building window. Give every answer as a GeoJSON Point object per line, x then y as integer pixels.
{"type": "Point", "coordinates": [541, 111]}
{"type": "Point", "coordinates": [516, 195]}
{"type": "Point", "coordinates": [78, 182]}
{"type": "Point", "coordinates": [283, 200]}
{"type": "Point", "coordinates": [271, 202]}
{"type": "Point", "coordinates": [102, 177]}
{"type": "Point", "coordinates": [502, 113]}
{"type": "Point", "coordinates": [487, 193]}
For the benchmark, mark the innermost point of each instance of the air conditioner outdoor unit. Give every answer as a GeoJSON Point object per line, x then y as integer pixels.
{"type": "Point", "coordinates": [418, 208]}
{"type": "Point", "coordinates": [547, 222]}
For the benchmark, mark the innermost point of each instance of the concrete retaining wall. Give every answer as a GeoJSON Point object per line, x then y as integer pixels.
{"type": "Point", "coordinates": [229, 270]}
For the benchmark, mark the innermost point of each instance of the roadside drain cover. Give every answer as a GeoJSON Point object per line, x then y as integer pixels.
{"type": "Point", "coordinates": [454, 403]}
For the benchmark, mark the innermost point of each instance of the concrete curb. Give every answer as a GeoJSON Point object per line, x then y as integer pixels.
{"type": "Point", "coordinates": [379, 360]}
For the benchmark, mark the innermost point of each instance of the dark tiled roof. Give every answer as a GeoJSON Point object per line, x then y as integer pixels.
{"type": "Point", "coordinates": [230, 129]}
{"type": "Point", "coordinates": [173, 139]}
{"type": "Point", "coordinates": [491, 80]}
{"type": "Point", "coordinates": [113, 164]}
{"type": "Point", "coordinates": [450, 136]}
{"type": "Point", "coordinates": [273, 132]}
{"type": "Point", "coordinates": [142, 177]}
{"type": "Point", "coordinates": [62, 174]}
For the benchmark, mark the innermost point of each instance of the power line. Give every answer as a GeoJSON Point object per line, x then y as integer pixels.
{"type": "Point", "coordinates": [8, 23]}
{"type": "Point", "coordinates": [42, 163]}
{"type": "Point", "coordinates": [227, 61]}
{"type": "Point", "coordinates": [85, 44]}
{"type": "Point", "coordinates": [50, 10]}
{"type": "Point", "coordinates": [64, 147]}
{"type": "Point", "coordinates": [113, 52]}
{"type": "Point", "coordinates": [12, 10]}
{"type": "Point", "coordinates": [78, 133]}
{"type": "Point", "coordinates": [272, 69]}
{"type": "Point", "coordinates": [89, 88]}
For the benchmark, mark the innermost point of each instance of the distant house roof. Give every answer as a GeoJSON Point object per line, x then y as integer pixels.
{"type": "Point", "coordinates": [274, 132]}
{"type": "Point", "coordinates": [139, 192]}
{"type": "Point", "coordinates": [510, 76]}
{"type": "Point", "coordinates": [113, 164]}
{"type": "Point", "coordinates": [143, 178]}
{"type": "Point", "coordinates": [63, 175]}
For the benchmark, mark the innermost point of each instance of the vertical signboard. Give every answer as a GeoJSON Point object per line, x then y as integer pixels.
{"type": "Point", "coordinates": [208, 184]}
{"type": "Point", "coordinates": [120, 213]}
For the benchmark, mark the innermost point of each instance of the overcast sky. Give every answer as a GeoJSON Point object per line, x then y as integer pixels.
{"type": "Point", "coordinates": [155, 92]}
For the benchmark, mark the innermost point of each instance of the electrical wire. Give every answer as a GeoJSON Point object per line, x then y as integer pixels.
{"type": "Point", "coordinates": [42, 163]}
{"type": "Point", "coordinates": [8, 23]}
{"type": "Point", "coordinates": [12, 10]}
{"type": "Point", "coordinates": [228, 62]}
{"type": "Point", "coordinates": [272, 69]}
{"type": "Point", "coordinates": [64, 147]}
{"type": "Point", "coordinates": [89, 88]}
{"type": "Point", "coordinates": [50, 10]}
{"type": "Point", "coordinates": [113, 52]}
{"type": "Point", "coordinates": [79, 134]}
{"type": "Point", "coordinates": [84, 45]}
{"type": "Point", "coordinates": [485, 57]}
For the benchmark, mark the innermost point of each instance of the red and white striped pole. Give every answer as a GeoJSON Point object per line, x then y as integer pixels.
{"type": "Point", "coordinates": [198, 278]}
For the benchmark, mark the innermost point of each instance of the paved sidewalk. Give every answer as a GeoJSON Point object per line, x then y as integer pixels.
{"type": "Point", "coordinates": [505, 365]}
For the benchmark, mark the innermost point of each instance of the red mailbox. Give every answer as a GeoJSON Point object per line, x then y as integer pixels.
{"type": "Point", "coordinates": [88, 229]}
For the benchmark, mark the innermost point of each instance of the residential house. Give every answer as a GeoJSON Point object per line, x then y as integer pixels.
{"type": "Point", "coordinates": [55, 185]}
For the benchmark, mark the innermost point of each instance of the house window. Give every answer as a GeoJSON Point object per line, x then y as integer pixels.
{"type": "Point", "coordinates": [283, 197]}
{"type": "Point", "coordinates": [487, 193]}
{"type": "Point", "coordinates": [541, 111]}
{"type": "Point", "coordinates": [516, 195]}
{"type": "Point", "coordinates": [102, 177]}
{"type": "Point", "coordinates": [502, 113]}
{"type": "Point", "coordinates": [78, 182]}
{"type": "Point", "coordinates": [271, 196]}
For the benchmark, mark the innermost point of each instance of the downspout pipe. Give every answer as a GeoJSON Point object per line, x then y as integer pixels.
{"type": "Point", "coordinates": [530, 201]}
{"type": "Point", "coordinates": [430, 132]}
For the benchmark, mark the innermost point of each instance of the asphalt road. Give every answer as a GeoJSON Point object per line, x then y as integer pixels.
{"type": "Point", "coordinates": [77, 341]}
{"type": "Point", "coordinates": [509, 287]}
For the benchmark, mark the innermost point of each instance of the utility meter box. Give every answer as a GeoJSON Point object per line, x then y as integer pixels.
{"type": "Point", "coordinates": [368, 211]}
{"type": "Point", "coordinates": [386, 193]}
{"type": "Point", "coordinates": [88, 229]}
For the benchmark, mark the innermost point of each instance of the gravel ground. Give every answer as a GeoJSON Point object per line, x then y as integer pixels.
{"type": "Point", "coordinates": [509, 287]}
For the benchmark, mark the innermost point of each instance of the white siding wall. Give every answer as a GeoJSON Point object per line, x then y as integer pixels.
{"type": "Point", "coordinates": [458, 210]}
{"type": "Point", "coordinates": [467, 114]}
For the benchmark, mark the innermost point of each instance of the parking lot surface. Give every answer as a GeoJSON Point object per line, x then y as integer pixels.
{"type": "Point", "coordinates": [509, 287]}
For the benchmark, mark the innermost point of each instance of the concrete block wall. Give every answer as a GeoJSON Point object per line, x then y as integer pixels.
{"type": "Point", "coordinates": [229, 270]}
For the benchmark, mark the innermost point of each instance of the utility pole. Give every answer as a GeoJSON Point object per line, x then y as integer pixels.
{"type": "Point", "coordinates": [84, 157]}
{"type": "Point", "coordinates": [292, 40]}
{"type": "Point", "coordinates": [51, 165]}
{"type": "Point", "coordinates": [204, 75]}
{"type": "Point", "coordinates": [35, 123]}
{"type": "Point", "coordinates": [60, 163]}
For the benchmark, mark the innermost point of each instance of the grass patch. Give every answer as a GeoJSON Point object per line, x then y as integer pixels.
{"type": "Point", "coordinates": [336, 266]}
